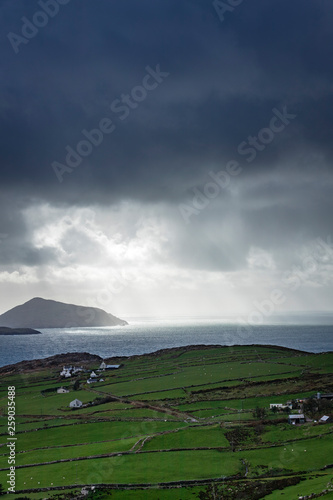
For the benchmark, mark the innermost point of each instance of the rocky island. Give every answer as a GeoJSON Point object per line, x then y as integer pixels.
{"type": "Point", "coordinates": [42, 313]}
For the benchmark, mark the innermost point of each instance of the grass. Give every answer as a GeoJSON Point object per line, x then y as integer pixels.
{"type": "Point", "coordinates": [135, 468]}
{"type": "Point", "coordinates": [55, 404]}
{"type": "Point", "coordinates": [305, 455]}
{"type": "Point", "coordinates": [69, 452]}
{"type": "Point", "coordinates": [285, 432]}
{"type": "Point", "coordinates": [191, 376]}
{"type": "Point", "coordinates": [92, 432]}
{"type": "Point", "coordinates": [313, 484]}
{"type": "Point", "coordinates": [238, 380]}
{"type": "Point", "coordinates": [212, 436]}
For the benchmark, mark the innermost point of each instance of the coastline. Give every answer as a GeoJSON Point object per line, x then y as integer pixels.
{"type": "Point", "coordinates": [88, 358]}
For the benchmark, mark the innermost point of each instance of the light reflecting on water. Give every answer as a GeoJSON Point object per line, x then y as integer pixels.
{"type": "Point", "coordinates": [149, 335]}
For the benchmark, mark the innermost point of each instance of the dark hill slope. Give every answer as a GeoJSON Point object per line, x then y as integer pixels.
{"type": "Point", "coordinates": [5, 330]}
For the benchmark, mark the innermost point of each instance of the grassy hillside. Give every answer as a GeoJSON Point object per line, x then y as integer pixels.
{"type": "Point", "coordinates": [195, 419]}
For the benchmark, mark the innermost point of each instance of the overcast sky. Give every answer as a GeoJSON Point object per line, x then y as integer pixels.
{"type": "Point", "coordinates": [204, 180]}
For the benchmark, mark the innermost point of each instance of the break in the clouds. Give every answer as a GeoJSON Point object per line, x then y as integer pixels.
{"type": "Point", "coordinates": [155, 160]}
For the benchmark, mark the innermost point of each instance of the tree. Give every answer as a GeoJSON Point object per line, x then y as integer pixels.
{"type": "Point", "coordinates": [76, 385]}
{"type": "Point", "coordinates": [310, 406]}
{"type": "Point", "coordinates": [259, 412]}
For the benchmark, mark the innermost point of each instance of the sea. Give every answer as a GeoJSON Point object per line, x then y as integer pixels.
{"type": "Point", "coordinates": [145, 335]}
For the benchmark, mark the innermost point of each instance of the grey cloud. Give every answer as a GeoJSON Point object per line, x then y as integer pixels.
{"type": "Point", "coordinates": [225, 79]}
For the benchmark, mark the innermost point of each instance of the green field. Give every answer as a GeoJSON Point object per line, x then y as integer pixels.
{"type": "Point", "coordinates": [200, 415]}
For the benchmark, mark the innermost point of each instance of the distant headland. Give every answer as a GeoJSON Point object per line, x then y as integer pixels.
{"type": "Point", "coordinates": [4, 330]}
{"type": "Point", "coordinates": [42, 313]}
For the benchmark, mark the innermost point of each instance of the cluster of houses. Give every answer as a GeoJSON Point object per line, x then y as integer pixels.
{"type": "Point", "coordinates": [94, 378]}
{"type": "Point", "coordinates": [68, 371]}
{"type": "Point", "coordinates": [103, 366]}
{"type": "Point", "coordinates": [299, 417]}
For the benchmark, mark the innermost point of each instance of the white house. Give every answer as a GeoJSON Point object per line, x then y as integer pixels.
{"type": "Point", "coordinates": [62, 390]}
{"type": "Point", "coordinates": [91, 380]}
{"type": "Point", "coordinates": [66, 372]}
{"type": "Point", "coordinates": [93, 375]}
{"type": "Point", "coordinates": [102, 366]}
{"type": "Point", "coordinates": [324, 420]}
{"type": "Point", "coordinates": [77, 369]}
{"type": "Point", "coordinates": [296, 419]}
{"type": "Point", "coordinates": [76, 403]}
{"type": "Point", "coordinates": [280, 406]}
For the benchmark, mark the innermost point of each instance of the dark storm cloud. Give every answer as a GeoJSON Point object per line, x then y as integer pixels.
{"type": "Point", "coordinates": [65, 78]}
{"type": "Point", "coordinates": [16, 247]}
{"type": "Point", "coordinates": [225, 79]}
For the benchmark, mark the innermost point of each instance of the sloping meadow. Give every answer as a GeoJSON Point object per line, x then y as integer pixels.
{"type": "Point", "coordinates": [188, 414]}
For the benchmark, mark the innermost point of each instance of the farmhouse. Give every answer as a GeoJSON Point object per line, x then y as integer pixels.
{"type": "Point", "coordinates": [91, 380]}
{"type": "Point", "coordinates": [324, 420]}
{"type": "Point", "coordinates": [93, 375]}
{"type": "Point", "coordinates": [76, 403]}
{"type": "Point", "coordinates": [280, 406]}
{"type": "Point", "coordinates": [77, 369]}
{"type": "Point", "coordinates": [296, 419]}
{"type": "Point", "coordinates": [104, 366]}
{"type": "Point", "coordinates": [67, 371]}
{"type": "Point", "coordinates": [319, 395]}
{"type": "Point", "coordinates": [62, 390]}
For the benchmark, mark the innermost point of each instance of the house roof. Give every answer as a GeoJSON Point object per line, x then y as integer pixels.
{"type": "Point", "coordinates": [298, 415]}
